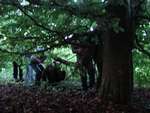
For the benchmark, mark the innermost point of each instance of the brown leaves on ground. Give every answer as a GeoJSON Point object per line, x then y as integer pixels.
{"type": "Point", "coordinates": [19, 99]}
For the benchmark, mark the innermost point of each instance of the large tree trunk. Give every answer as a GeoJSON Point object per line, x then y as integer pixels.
{"type": "Point", "coordinates": [117, 71]}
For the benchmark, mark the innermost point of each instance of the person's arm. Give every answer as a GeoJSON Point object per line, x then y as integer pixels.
{"type": "Point", "coordinates": [43, 59]}
{"type": "Point", "coordinates": [35, 59]}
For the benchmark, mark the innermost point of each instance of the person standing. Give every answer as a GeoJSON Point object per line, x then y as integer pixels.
{"type": "Point", "coordinates": [85, 64]}
{"type": "Point", "coordinates": [20, 73]}
{"type": "Point", "coordinates": [36, 64]}
{"type": "Point", "coordinates": [34, 70]}
{"type": "Point", "coordinates": [15, 70]}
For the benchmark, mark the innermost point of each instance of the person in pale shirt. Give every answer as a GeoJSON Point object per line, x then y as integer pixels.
{"type": "Point", "coordinates": [34, 69]}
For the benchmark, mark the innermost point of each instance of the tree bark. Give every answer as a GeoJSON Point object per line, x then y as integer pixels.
{"type": "Point", "coordinates": [117, 71]}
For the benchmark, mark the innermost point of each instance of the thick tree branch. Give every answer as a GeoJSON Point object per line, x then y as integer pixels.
{"type": "Point", "coordinates": [77, 36]}
{"type": "Point", "coordinates": [63, 61]}
{"type": "Point", "coordinates": [143, 18]}
{"type": "Point", "coordinates": [10, 52]}
{"type": "Point", "coordinates": [29, 50]}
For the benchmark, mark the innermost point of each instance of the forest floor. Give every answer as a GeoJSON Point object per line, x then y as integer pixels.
{"type": "Point", "coordinates": [21, 99]}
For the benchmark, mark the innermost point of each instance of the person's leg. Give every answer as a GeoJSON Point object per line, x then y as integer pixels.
{"type": "Point", "coordinates": [91, 72]}
{"type": "Point", "coordinates": [83, 76]}
{"type": "Point", "coordinates": [15, 75]}
{"type": "Point", "coordinates": [37, 80]}
{"type": "Point", "coordinates": [20, 74]}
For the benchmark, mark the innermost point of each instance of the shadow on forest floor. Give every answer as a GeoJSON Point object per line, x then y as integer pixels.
{"type": "Point", "coordinates": [20, 99]}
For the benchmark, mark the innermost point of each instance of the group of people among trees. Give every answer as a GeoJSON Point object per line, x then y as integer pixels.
{"type": "Point", "coordinates": [87, 63]}
{"type": "Point", "coordinates": [35, 71]}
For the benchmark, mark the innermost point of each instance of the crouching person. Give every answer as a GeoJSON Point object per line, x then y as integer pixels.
{"type": "Point", "coordinates": [53, 74]}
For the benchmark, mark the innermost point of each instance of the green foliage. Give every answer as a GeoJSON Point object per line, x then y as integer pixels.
{"type": "Point", "coordinates": [141, 69]}
{"type": "Point", "coordinates": [6, 74]}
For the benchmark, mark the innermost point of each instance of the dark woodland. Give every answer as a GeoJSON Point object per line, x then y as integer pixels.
{"type": "Point", "coordinates": [75, 56]}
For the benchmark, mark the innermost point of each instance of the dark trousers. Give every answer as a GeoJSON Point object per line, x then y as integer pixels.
{"type": "Point", "coordinates": [15, 74]}
{"type": "Point", "coordinates": [87, 72]}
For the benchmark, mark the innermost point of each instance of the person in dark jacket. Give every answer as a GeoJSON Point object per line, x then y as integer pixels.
{"type": "Point", "coordinates": [20, 73]}
{"type": "Point", "coordinates": [85, 64]}
{"type": "Point", "coordinates": [15, 70]}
